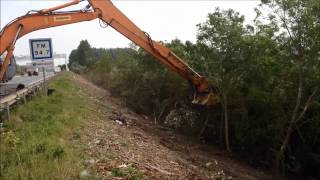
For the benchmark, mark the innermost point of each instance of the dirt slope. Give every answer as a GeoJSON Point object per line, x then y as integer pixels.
{"type": "Point", "coordinates": [124, 145]}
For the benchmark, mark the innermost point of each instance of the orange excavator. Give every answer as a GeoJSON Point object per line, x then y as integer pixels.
{"type": "Point", "coordinates": [112, 16]}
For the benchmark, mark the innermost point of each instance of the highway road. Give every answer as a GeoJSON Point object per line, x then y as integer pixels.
{"type": "Point", "coordinates": [11, 86]}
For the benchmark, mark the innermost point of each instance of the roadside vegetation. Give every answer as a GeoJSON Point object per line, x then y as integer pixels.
{"type": "Point", "coordinates": [267, 74]}
{"type": "Point", "coordinates": [36, 142]}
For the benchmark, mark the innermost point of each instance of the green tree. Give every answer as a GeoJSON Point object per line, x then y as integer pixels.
{"type": "Point", "coordinates": [300, 27]}
{"type": "Point", "coordinates": [220, 40]}
{"type": "Point", "coordinates": [83, 55]}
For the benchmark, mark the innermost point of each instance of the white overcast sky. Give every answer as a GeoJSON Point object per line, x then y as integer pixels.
{"type": "Point", "coordinates": [163, 20]}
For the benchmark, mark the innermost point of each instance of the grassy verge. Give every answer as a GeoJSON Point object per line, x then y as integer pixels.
{"type": "Point", "coordinates": [36, 143]}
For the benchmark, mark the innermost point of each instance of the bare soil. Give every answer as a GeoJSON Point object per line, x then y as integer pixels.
{"type": "Point", "coordinates": [119, 138]}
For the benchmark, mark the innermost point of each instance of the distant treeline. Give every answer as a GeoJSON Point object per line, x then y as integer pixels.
{"type": "Point", "coordinates": [267, 74]}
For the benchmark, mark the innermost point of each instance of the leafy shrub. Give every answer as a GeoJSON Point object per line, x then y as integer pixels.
{"type": "Point", "coordinates": [184, 120]}
{"type": "Point", "coordinates": [57, 152]}
{"type": "Point", "coordinates": [11, 139]}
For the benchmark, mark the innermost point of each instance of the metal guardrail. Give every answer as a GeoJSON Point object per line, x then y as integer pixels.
{"type": "Point", "coordinates": [7, 101]}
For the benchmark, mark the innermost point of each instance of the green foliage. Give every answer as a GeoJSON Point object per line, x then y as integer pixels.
{"type": "Point", "coordinates": [135, 77]}
{"type": "Point", "coordinates": [11, 139]}
{"type": "Point", "coordinates": [57, 152]}
{"type": "Point", "coordinates": [82, 55]}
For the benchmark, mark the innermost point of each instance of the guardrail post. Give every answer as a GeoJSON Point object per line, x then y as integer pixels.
{"type": "Point", "coordinates": [44, 81]}
{"type": "Point", "coordinates": [8, 110]}
{"type": "Point", "coordinates": [34, 91]}
{"type": "Point", "coordinates": [24, 99]}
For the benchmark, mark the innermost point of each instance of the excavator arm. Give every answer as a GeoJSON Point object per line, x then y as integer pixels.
{"type": "Point", "coordinates": [32, 22]}
{"type": "Point", "coordinates": [108, 13]}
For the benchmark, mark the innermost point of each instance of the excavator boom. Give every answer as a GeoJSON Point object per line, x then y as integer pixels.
{"type": "Point", "coordinates": [32, 22]}
{"type": "Point", "coordinates": [108, 13]}
{"type": "Point", "coordinates": [36, 21]}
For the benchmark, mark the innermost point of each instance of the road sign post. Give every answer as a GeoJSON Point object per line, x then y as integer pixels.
{"type": "Point", "coordinates": [44, 81]}
{"type": "Point", "coordinates": [42, 56]}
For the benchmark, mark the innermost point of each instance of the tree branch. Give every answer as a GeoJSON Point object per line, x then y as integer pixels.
{"type": "Point", "coordinates": [298, 101]}
{"type": "Point", "coordinates": [311, 97]}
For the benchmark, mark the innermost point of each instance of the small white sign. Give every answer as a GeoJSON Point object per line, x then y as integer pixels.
{"type": "Point", "coordinates": [40, 64]}
{"type": "Point", "coordinates": [41, 49]}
